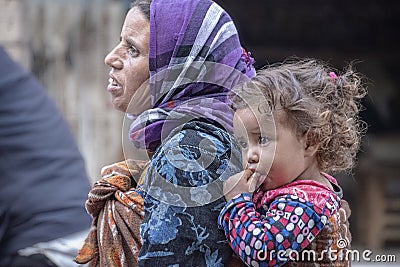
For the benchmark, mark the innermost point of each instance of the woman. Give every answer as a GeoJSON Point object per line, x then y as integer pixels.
{"type": "Point", "coordinates": [190, 52]}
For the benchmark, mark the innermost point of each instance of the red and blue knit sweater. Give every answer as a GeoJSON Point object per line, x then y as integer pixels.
{"type": "Point", "coordinates": [264, 228]}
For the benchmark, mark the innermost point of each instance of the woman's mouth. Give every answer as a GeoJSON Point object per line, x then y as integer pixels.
{"type": "Point", "coordinates": [113, 85]}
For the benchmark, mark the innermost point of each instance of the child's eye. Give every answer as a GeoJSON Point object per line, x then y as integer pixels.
{"type": "Point", "coordinates": [243, 144]}
{"type": "Point", "coordinates": [262, 140]}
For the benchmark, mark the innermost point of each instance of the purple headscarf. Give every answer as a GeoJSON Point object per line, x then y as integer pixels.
{"type": "Point", "coordinates": [195, 58]}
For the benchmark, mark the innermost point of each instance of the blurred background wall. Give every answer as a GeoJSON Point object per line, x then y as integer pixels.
{"type": "Point", "coordinates": [64, 43]}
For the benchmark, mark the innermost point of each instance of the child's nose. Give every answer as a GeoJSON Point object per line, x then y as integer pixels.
{"type": "Point", "coordinates": [253, 156]}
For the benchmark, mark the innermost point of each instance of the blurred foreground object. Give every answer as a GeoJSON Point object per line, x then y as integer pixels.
{"type": "Point", "coordinates": [43, 176]}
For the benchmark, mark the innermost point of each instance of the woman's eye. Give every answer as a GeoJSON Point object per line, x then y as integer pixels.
{"type": "Point", "coordinates": [263, 140]}
{"type": "Point", "coordinates": [133, 51]}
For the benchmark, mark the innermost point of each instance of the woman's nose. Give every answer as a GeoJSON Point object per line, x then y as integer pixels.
{"type": "Point", "coordinates": [113, 59]}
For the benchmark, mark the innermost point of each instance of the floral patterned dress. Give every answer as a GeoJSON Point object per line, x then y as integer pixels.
{"type": "Point", "coordinates": [180, 222]}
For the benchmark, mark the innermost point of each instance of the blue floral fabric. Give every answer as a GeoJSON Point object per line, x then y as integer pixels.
{"type": "Point", "coordinates": [183, 197]}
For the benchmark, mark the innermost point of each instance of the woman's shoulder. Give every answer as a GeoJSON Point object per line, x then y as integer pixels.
{"type": "Point", "coordinates": [199, 135]}
{"type": "Point", "coordinates": [199, 150]}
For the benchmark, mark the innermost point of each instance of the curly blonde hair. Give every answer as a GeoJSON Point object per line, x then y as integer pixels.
{"type": "Point", "coordinates": [316, 101]}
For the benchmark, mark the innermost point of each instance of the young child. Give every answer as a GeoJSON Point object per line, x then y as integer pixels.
{"type": "Point", "coordinates": [295, 122]}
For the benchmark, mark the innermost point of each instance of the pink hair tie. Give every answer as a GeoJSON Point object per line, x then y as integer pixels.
{"type": "Point", "coordinates": [248, 59]}
{"type": "Point", "coordinates": [333, 75]}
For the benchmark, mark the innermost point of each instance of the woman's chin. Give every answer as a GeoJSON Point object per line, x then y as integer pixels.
{"type": "Point", "coordinates": [118, 105]}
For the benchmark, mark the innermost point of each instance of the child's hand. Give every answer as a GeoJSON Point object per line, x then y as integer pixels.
{"type": "Point", "coordinates": [245, 181]}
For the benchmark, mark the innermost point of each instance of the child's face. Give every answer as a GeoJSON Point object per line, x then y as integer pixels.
{"type": "Point", "coordinates": [269, 147]}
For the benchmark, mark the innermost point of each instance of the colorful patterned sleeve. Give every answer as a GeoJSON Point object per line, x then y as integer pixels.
{"type": "Point", "coordinates": [288, 225]}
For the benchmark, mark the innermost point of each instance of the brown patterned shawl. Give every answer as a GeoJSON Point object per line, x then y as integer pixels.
{"type": "Point", "coordinates": [117, 211]}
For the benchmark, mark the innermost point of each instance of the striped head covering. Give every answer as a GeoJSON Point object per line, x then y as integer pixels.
{"type": "Point", "coordinates": [195, 58]}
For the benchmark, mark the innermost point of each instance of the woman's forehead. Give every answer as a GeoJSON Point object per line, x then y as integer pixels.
{"type": "Point", "coordinates": [135, 19]}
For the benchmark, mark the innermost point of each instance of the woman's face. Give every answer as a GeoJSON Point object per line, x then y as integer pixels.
{"type": "Point", "coordinates": [129, 62]}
